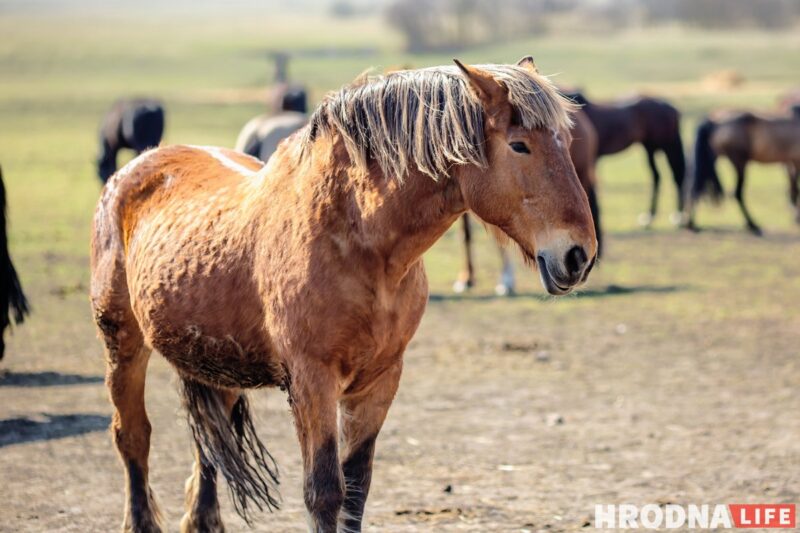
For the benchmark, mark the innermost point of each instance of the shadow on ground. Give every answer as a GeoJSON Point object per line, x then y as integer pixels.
{"type": "Point", "coordinates": [609, 290]}
{"type": "Point", "coordinates": [48, 427]}
{"type": "Point", "coordinates": [44, 379]}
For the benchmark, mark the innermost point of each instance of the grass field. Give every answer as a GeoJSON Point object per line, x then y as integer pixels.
{"type": "Point", "coordinates": [670, 370]}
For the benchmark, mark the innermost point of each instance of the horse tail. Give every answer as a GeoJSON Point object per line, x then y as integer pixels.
{"type": "Point", "coordinates": [228, 440]}
{"type": "Point", "coordinates": [705, 178]}
{"type": "Point", "coordinates": [11, 295]}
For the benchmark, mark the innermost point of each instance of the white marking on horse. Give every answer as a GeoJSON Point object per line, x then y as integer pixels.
{"type": "Point", "coordinates": [557, 138]}
{"type": "Point", "coordinates": [226, 161]}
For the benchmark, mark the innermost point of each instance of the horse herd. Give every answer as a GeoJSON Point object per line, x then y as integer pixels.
{"type": "Point", "coordinates": [599, 129]}
{"type": "Point", "coordinates": [297, 264]}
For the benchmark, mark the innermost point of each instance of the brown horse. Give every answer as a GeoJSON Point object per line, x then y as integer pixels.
{"type": "Point", "coordinates": [744, 137]}
{"type": "Point", "coordinates": [653, 123]}
{"type": "Point", "coordinates": [583, 152]}
{"type": "Point", "coordinates": [306, 273]}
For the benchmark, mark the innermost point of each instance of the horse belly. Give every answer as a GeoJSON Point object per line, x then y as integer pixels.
{"type": "Point", "coordinates": [198, 304]}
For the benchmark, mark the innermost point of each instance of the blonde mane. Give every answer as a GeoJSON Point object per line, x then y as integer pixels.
{"type": "Point", "coordinates": [429, 119]}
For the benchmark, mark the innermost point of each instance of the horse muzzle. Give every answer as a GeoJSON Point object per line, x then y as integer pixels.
{"type": "Point", "coordinates": [559, 275]}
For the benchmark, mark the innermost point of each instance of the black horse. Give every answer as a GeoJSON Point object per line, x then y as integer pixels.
{"type": "Point", "coordinates": [137, 124]}
{"type": "Point", "coordinates": [653, 123]}
{"type": "Point", "coordinates": [11, 295]}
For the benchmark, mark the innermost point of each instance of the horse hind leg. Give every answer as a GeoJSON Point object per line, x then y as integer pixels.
{"type": "Point", "coordinates": [739, 194]}
{"type": "Point", "coordinates": [202, 506]}
{"type": "Point", "coordinates": [646, 219]}
{"type": "Point", "coordinates": [466, 278]}
{"type": "Point", "coordinates": [225, 441]}
{"type": "Point", "coordinates": [126, 366]}
{"type": "Point", "coordinates": [507, 284]}
{"type": "Point", "coordinates": [793, 172]}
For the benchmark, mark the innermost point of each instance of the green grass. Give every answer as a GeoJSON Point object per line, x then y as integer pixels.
{"type": "Point", "coordinates": [61, 70]}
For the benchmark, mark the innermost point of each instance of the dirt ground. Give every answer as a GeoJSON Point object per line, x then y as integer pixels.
{"type": "Point", "coordinates": [673, 377]}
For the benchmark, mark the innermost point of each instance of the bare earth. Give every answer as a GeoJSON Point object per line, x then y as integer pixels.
{"type": "Point", "coordinates": [672, 378]}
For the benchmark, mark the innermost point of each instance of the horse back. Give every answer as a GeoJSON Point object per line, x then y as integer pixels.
{"type": "Point", "coordinates": [775, 140]}
{"type": "Point", "coordinates": [173, 231]}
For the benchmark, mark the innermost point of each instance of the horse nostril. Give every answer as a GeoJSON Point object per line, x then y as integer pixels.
{"type": "Point", "coordinates": [576, 260]}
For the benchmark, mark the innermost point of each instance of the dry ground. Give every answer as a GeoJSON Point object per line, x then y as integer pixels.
{"type": "Point", "coordinates": [673, 377]}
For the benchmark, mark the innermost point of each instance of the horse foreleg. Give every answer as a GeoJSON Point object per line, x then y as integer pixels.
{"type": "Point", "coordinates": [313, 396]}
{"type": "Point", "coordinates": [466, 278]}
{"type": "Point", "coordinates": [361, 418]}
{"type": "Point", "coordinates": [125, 379]}
{"type": "Point", "coordinates": [740, 176]}
{"type": "Point", "coordinates": [202, 506]}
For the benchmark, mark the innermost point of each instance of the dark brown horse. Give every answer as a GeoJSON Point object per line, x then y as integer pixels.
{"type": "Point", "coordinates": [306, 273]}
{"type": "Point", "coordinates": [11, 296]}
{"type": "Point", "coordinates": [136, 124]}
{"type": "Point", "coordinates": [744, 137]}
{"type": "Point", "coordinates": [653, 123]}
{"type": "Point", "coordinates": [583, 152]}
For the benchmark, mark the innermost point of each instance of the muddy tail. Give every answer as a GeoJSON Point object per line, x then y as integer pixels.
{"type": "Point", "coordinates": [705, 179]}
{"type": "Point", "coordinates": [12, 299]}
{"type": "Point", "coordinates": [229, 442]}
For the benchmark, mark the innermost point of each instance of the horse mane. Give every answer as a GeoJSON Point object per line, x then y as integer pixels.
{"type": "Point", "coordinates": [429, 119]}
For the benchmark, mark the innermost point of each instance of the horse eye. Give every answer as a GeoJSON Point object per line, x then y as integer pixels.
{"type": "Point", "coordinates": [520, 148]}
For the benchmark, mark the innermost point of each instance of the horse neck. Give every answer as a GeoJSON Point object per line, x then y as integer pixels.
{"type": "Point", "coordinates": [379, 215]}
{"type": "Point", "coordinates": [412, 217]}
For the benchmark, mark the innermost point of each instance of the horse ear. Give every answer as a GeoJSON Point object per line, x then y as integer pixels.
{"type": "Point", "coordinates": [491, 92]}
{"type": "Point", "coordinates": [528, 64]}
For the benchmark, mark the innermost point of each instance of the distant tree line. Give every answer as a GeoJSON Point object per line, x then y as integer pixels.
{"type": "Point", "coordinates": [726, 13]}
{"type": "Point", "coordinates": [453, 24]}
{"type": "Point", "coordinates": [437, 25]}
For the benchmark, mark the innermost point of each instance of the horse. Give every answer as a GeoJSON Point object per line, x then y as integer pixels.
{"type": "Point", "coordinates": [742, 137]}
{"type": "Point", "coordinates": [136, 123]}
{"type": "Point", "coordinates": [306, 273]}
{"type": "Point", "coordinates": [583, 152]}
{"type": "Point", "coordinates": [651, 122]}
{"type": "Point", "coordinates": [284, 95]}
{"type": "Point", "coordinates": [262, 134]}
{"type": "Point", "coordinates": [11, 295]}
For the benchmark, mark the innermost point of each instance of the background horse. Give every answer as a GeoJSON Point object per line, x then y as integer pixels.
{"type": "Point", "coordinates": [744, 137]}
{"type": "Point", "coordinates": [583, 152]}
{"type": "Point", "coordinates": [262, 134]}
{"type": "Point", "coordinates": [285, 95]}
{"type": "Point", "coordinates": [307, 273]}
{"type": "Point", "coordinates": [653, 123]}
{"type": "Point", "coordinates": [11, 295]}
{"type": "Point", "coordinates": [137, 124]}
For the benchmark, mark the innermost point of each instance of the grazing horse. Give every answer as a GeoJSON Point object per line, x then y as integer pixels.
{"type": "Point", "coordinates": [744, 137]}
{"type": "Point", "coordinates": [583, 152]}
{"type": "Point", "coordinates": [261, 135]}
{"type": "Point", "coordinates": [11, 295]}
{"type": "Point", "coordinates": [283, 95]}
{"type": "Point", "coordinates": [653, 123]}
{"type": "Point", "coordinates": [306, 273]}
{"type": "Point", "coordinates": [137, 124]}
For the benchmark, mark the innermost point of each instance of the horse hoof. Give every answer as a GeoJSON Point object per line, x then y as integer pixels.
{"type": "Point", "coordinates": [645, 220]}
{"type": "Point", "coordinates": [461, 286]}
{"type": "Point", "coordinates": [755, 230]}
{"type": "Point", "coordinates": [678, 219]}
{"type": "Point", "coordinates": [504, 290]}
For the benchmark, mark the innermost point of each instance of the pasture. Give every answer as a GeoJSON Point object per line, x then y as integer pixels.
{"type": "Point", "coordinates": [671, 377]}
